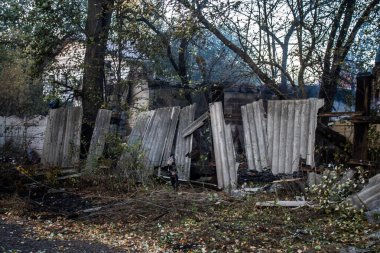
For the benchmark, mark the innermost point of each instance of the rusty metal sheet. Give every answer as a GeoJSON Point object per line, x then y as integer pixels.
{"type": "Point", "coordinates": [98, 139]}
{"type": "Point", "coordinates": [223, 149]}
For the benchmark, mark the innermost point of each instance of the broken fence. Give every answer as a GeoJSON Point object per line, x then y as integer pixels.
{"type": "Point", "coordinates": [287, 134]}
{"type": "Point", "coordinates": [154, 134]}
{"type": "Point", "coordinates": [62, 137]}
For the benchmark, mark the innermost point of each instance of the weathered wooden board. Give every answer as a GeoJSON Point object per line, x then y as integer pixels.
{"type": "Point", "coordinates": [195, 125]}
{"type": "Point", "coordinates": [62, 137]}
{"type": "Point", "coordinates": [139, 130]}
{"type": "Point", "coordinates": [134, 140]}
{"type": "Point", "coordinates": [183, 144]}
{"type": "Point", "coordinates": [98, 140]}
{"type": "Point", "coordinates": [168, 150]}
{"type": "Point", "coordinates": [71, 142]}
{"type": "Point", "coordinates": [153, 135]}
{"type": "Point", "coordinates": [156, 138]}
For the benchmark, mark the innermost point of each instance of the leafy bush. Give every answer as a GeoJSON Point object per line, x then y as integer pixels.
{"type": "Point", "coordinates": [336, 185]}
{"type": "Point", "coordinates": [121, 168]}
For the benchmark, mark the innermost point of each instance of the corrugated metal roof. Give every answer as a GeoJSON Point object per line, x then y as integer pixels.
{"type": "Point", "coordinates": [290, 130]}
{"type": "Point", "coordinates": [184, 144]}
{"type": "Point", "coordinates": [223, 149]}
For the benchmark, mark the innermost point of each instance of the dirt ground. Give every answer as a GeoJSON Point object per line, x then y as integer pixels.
{"type": "Point", "coordinates": [159, 219]}
{"type": "Point", "coordinates": [106, 214]}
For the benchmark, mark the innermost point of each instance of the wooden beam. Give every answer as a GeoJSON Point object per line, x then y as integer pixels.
{"type": "Point", "coordinates": [337, 114]}
{"type": "Point", "coordinates": [362, 104]}
{"type": "Point", "coordinates": [195, 125]}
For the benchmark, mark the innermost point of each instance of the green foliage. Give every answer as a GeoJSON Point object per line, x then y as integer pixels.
{"type": "Point", "coordinates": [121, 167]}
{"type": "Point", "coordinates": [331, 194]}
{"type": "Point", "coordinates": [374, 143]}
{"type": "Point", "coordinates": [114, 147]}
{"type": "Point", "coordinates": [19, 94]}
{"type": "Point", "coordinates": [132, 165]}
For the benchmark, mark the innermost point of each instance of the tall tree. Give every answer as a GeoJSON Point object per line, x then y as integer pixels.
{"type": "Point", "coordinates": [99, 13]}
{"type": "Point", "coordinates": [312, 38]}
{"type": "Point", "coordinates": [344, 29]}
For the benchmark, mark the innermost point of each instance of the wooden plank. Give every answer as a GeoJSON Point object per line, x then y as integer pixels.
{"type": "Point", "coordinates": [304, 128]}
{"type": "Point", "coordinates": [283, 138]}
{"type": "Point", "coordinates": [162, 140]}
{"type": "Point", "coordinates": [71, 142]}
{"type": "Point", "coordinates": [217, 147]}
{"type": "Point", "coordinates": [184, 144]}
{"type": "Point", "coordinates": [276, 134]}
{"type": "Point", "coordinates": [98, 139]}
{"type": "Point", "coordinates": [223, 145]}
{"type": "Point", "coordinates": [155, 140]}
{"type": "Point", "coordinates": [139, 130]}
{"type": "Point", "coordinates": [253, 136]}
{"type": "Point", "coordinates": [316, 104]}
{"type": "Point", "coordinates": [54, 135]}
{"type": "Point", "coordinates": [283, 203]}
{"type": "Point", "coordinates": [62, 119]}
{"type": "Point", "coordinates": [47, 139]}
{"type": "Point", "coordinates": [337, 114]}
{"type": "Point", "coordinates": [170, 135]}
{"type": "Point", "coordinates": [231, 157]}
{"type": "Point", "coordinates": [195, 124]}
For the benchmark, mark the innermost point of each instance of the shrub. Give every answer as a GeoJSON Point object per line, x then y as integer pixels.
{"type": "Point", "coordinates": [336, 185]}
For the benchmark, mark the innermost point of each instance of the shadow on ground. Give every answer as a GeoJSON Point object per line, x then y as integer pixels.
{"type": "Point", "coordinates": [12, 240]}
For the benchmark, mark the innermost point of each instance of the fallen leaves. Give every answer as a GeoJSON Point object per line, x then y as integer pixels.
{"type": "Point", "coordinates": [194, 222]}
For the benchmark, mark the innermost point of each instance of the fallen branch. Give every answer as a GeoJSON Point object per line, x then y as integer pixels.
{"type": "Point", "coordinates": [283, 203]}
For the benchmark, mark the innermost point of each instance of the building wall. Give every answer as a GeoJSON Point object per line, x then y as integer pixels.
{"type": "Point", "coordinates": [23, 132]}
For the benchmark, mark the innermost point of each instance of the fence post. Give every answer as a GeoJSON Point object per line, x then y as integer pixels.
{"type": "Point", "coordinates": [361, 126]}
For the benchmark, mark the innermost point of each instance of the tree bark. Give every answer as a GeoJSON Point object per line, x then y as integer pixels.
{"type": "Point", "coordinates": [99, 14]}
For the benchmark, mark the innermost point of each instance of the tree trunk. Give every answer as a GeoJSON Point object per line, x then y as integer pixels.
{"type": "Point", "coordinates": [328, 89]}
{"type": "Point", "coordinates": [99, 14]}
